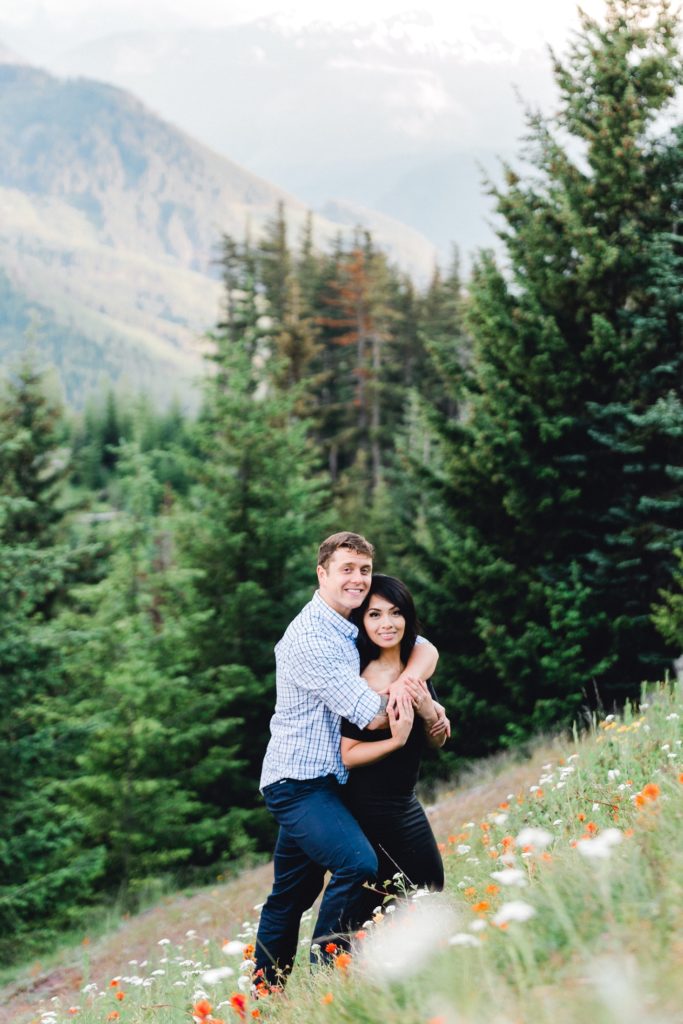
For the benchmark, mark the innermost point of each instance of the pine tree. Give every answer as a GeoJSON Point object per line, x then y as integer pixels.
{"type": "Point", "coordinates": [559, 485]}
{"type": "Point", "coordinates": [44, 866]}
{"type": "Point", "coordinates": [252, 524]}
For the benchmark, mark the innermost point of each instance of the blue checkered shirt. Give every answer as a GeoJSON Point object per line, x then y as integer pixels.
{"type": "Point", "coordinates": [318, 683]}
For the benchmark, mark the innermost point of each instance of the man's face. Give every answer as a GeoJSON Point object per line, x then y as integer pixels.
{"type": "Point", "coordinates": [345, 581]}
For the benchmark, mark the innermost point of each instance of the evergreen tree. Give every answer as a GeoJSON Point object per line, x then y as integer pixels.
{"type": "Point", "coordinates": [252, 523]}
{"type": "Point", "coordinates": [559, 485]}
{"type": "Point", "coordinates": [45, 866]}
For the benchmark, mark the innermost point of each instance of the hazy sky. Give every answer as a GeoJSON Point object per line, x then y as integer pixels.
{"type": "Point", "coordinates": [529, 23]}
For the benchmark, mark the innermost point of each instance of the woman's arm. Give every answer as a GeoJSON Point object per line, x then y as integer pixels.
{"type": "Point", "coordinates": [356, 753]}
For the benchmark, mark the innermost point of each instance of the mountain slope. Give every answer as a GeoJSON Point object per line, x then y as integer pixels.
{"type": "Point", "coordinates": [110, 222]}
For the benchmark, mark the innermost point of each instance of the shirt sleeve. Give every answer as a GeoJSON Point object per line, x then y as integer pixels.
{"type": "Point", "coordinates": [319, 670]}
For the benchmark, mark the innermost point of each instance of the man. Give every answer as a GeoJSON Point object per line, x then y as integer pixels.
{"type": "Point", "coordinates": [318, 683]}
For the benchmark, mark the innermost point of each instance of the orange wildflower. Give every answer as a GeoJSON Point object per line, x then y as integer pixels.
{"type": "Point", "coordinates": [485, 826]}
{"type": "Point", "coordinates": [628, 832]}
{"type": "Point", "coordinates": [493, 853]}
{"type": "Point", "coordinates": [591, 828]}
{"type": "Point", "coordinates": [539, 794]}
{"type": "Point", "coordinates": [452, 839]}
{"type": "Point", "coordinates": [441, 847]}
{"type": "Point", "coordinates": [639, 800]}
{"type": "Point", "coordinates": [331, 947]}
{"type": "Point", "coordinates": [120, 996]}
{"type": "Point", "coordinates": [113, 983]}
{"type": "Point", "coordinates": [202, 1009]}
{"type": "Point", "coordinates": [504, 806]}
{"type": "Point", "coordinates": [249, 951]}
{"type": "Point", "coordinates": [581, 816]}
{"type": "Point", "coordinates": [481, 907]}
{"type": "Point", "coordinates": [342, 961]}
{"type": "Point", "coordinates": [492, 889]}
{"type": "Point", "coordinates": [469, 891]}
{"type": "Point", "coordinates": [507, 842]}
{"type": "Point", "coordinates": [547, 857]}
{"type": "Point", "coordinates": [114, 1015]}
{"type": "Point", "coordinates": [680, 778]}
{"type": "Point", "coordinates": [436, 1020]}
{"type": "Point", "coordinates": [256, 1013]}
{"type": "Point", "coordinates": [238, 1003]}
{"type": "Point", "coordinates": [651, 791]}
{"type": "Point", "coordinates": [73, 1010]}
{"type": "Point", "coordinates": [327, 998]}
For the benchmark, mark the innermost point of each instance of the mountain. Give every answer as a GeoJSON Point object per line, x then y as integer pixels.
{"type": "Point", "coordinates": [110, 223]}
{"type": "Point", "coordinates": [360, 113]}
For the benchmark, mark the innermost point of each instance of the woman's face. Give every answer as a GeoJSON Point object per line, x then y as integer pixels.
{"type": "Point", "coordinates": [383, 622]}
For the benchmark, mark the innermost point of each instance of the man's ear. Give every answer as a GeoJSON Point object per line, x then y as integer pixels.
{"type": "Point", "coordinates": [321, 573]}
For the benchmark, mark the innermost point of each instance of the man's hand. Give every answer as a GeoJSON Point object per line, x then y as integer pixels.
{"type": "Point", "coordinates": [380, 721]}
{"type": "Point", "coordinates": [442, 723]}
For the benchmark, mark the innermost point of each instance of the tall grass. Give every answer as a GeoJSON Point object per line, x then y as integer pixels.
{"type": "Point", "coordinates": [564, 904]}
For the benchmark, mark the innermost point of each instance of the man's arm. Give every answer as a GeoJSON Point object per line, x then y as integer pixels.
{"type": "Point", "coordinates": [421, 663]}
{"type": "Point", "coordinates": [320, 670]}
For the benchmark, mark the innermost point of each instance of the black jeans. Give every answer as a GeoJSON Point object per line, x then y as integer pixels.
{"type": "Point", "coordinates": [317, 834]}
{"type": "Point", "coordinates": [403, 840]}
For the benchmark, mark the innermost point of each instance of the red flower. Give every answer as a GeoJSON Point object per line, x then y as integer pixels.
{"type": "Point", "coordinates": [330, 947]}
{"type": "Point", "coordinates": [202, 1009]}
{"type": "Point", "coordinates": [238, 1003]}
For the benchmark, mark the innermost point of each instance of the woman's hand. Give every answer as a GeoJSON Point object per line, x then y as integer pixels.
{"type": "Point", "coordinates": [401, 718]}
{"type": "Point", "coordinates": [422, 700]}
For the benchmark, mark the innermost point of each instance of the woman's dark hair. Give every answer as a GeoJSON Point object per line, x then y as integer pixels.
{"type": "Point", "coordinates": [397, 592]}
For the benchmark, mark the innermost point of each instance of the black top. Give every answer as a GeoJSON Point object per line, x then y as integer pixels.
{"type": "Point", "coordinates": [394, 775]}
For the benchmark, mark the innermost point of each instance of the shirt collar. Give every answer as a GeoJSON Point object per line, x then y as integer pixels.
{"type": "Point", "coordinates": [344, 625]}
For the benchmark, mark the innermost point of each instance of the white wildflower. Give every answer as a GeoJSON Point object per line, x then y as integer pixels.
{"type": "Point", "coordinates": [468, 824]}
{"type": "Point", "coordinates": [247, 965]}
{"type": "Point", "coordinates": [216, 974]}
{"type": "Point", "coordinates": [158, 973]}
{"type": "Point", "coordinates": [558, 821]}
{"type": "Point", "coordinates": [401, 950]}
{"type": "Point", "coordinates": [510, 876]}
{"type": "Point", "coordinates": [244, 983]}
{"type": "Point", "coordinates": [536, 838]}
{"type": "Point", "coordinates": [233, 948]}
{"type": "Point", "coordinates": [479, 925]}
{"type": "Point", "coordinates": [259, 906]}
{"type": "Point", "coordinates": [499, 819]}
{"type": "Point", "coordinates": [516, 910]}
{"type": "Point", "coordinates": [601, 846]}
{"type": "Point", "coordinates": [673, 717]}
{"type": "Point", "coordinates": [612, 774]}
{"type": "Point", "coordinates": [190, 934]}
{"type": "Point", "coordinates": [572, 757]}
{"type": "Point", "coordinates": [464, 939]}
{"type": "Point", "coordinates": [164, 942]}
{"type": "Point", "coordinates": [462, 849]}
{"type": "Point", "coordinates": [665, 746]}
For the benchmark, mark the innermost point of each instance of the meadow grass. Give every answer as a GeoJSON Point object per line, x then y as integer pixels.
{"type": "Point", "coordinates": [563, 903]}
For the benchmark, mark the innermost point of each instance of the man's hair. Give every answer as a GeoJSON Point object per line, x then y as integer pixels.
{"type": "Point", "coordinates": [349, 541]}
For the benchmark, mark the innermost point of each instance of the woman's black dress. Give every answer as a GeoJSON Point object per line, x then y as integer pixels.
{"type": "Point", "coordinates": [381, 796]}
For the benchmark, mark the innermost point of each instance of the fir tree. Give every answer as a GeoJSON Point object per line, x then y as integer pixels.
{"type": "Point", "coordinates": [560, 497]}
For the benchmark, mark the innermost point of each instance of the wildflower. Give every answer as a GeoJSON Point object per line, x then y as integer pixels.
{"type": "Point", "coordinates": [469, 891]}
{"type": "Point", "coordinates": [510, 876]}
{"type": "Point", "coordinates": [113, 983]}
{"type": "Point", "coordinates": [361, 934]}
{"type": "Point", "coordinates": [481, 907]}
{"type": "Point", "coordinates": [536, 838]}
{"type": "Point", "coordinates": [516, 910]}
{"type": "Point", "coordinates": [600, 848]}
{"type": "Point", "coordinates": [244, 983]}
{"type": "Point", "coordinates": [215, 975]}
{"type": "Point", "coordinates": [463, 849]}
{"type": "Point", "coordinates": [233, 948]}
{"type": "Point", "coordinates": [591, 827]}
{"type": "Point", "coordinates": [114, 1015]}
{"type": "Point", "coordinates": [255, 1014]}
{"type": "Point", "coordinates": [331, 947]}
{"type": "Point", "coordinates": [680, 778]}
{"type": "Point", "coordinates": [464, 939]}
{"type": "Point", "coordinates": [651, 791]}
{"type": "Point", "coordinates": [120, 996]}
{"type": "Point", "coordinates": [238, 1002]}
{"type": "Point", "coordinates": [342, 961]}
{"type": "Point", "coordinates": [202, 1009]}
{"type": "Point", "coordinates": [327, 998]}
{"type": "Point", "coordinates": [492, 889]}
{"type": "Point", "coordinates": [73, 1010]}
{"type": "Point", "coordinates": [164, 942]}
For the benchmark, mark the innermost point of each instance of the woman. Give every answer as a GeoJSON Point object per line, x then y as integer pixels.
{"type": "Point", "coordinates": [384, 764]}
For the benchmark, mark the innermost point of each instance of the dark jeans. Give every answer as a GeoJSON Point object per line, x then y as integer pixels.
{"type": "Point", "coordinates": [317, 834]}
{"type": "Point", "coordinates": [402, 837]}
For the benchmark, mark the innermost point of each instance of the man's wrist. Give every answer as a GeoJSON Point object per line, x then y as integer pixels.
{"type": "Point", "coordinates": [383, 701]}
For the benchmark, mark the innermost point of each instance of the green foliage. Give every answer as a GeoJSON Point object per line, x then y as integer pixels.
{"type": "Point", "coordinates": [556, 498]}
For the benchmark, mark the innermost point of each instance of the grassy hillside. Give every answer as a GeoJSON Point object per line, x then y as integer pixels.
{"type": "Point", "coordinates": [564, 902]}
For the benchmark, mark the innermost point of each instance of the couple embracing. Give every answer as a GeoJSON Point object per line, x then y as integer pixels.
{"type": "Point", "coordinates": [332, 724]}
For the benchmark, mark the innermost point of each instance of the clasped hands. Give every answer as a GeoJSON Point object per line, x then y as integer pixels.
{"type": "Point", "coordinates": [432, 713]}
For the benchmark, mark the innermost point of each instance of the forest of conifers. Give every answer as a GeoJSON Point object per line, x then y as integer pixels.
{"type": "Point", "coordinates": [511, 443]}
